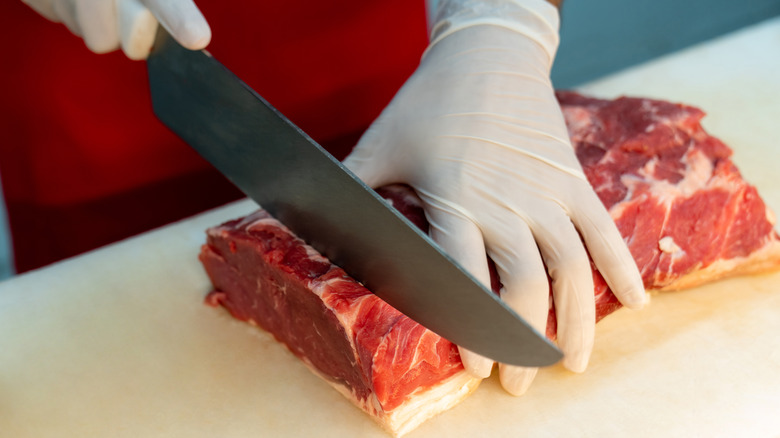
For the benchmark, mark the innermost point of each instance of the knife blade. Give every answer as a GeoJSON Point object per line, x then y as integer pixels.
{"type": "Point", "coordinates": [298, 182]}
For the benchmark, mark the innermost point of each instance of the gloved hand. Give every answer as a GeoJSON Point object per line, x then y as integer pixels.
{"type": "Point", "coordinates": [478, 133]}
{"type": "Point", "coordinates": [105, 24]}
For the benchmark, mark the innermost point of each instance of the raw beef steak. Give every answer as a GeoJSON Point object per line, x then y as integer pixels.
{"type": "Point", "coordinates": [388, 365]}
{"type": "Point", "coordinates": [678, 200]}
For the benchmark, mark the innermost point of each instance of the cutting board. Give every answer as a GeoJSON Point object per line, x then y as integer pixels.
{"type": "Point", "coordinates": [117, 342]}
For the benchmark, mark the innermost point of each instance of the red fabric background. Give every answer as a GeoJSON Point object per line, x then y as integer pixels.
{"type": "Point", "coordinates": [83, 160]}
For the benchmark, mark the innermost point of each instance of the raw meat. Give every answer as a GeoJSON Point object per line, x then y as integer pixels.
{"type": "Point", "coordinates": [672, 189]}
{"type": "Point", "coordinates": [393, 368]}
{"type": "Point", "coordinates": [678, 200]}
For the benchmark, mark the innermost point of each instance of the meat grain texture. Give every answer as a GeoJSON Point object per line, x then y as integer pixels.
{"type": "Point", "coordinates": [681, 205]}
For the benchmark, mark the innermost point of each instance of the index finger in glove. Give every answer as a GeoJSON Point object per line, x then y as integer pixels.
{"type": "Point", "coordinates": [608, 250]}
{"type": "Point", "coordinates": [183, 20]}
{"type": "Point", "coordinates": [137, 28]}
{"type": "Point", "coordinates": [98, 24]}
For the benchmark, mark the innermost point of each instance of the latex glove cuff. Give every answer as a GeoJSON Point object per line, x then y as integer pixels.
{"type": "Point", "coordinates": [536, 19]}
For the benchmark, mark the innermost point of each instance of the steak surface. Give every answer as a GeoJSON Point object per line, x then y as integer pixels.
{"type": "Point", "coordinates": [680, 203]}
{"type": "Point", "coordinates": [265, 275]}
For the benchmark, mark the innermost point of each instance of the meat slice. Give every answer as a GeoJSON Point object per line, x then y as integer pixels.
{"type": "Point", "coordinates": [393, 368]}
{"type": "Point", "coordinates": [681, 205]}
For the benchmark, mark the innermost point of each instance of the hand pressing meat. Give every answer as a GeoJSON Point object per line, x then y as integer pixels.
{"type": "Point", "coordinates": [479, 135]}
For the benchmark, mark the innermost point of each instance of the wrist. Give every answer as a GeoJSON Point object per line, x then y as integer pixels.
{"type": "Point", "coordinates": [535, 19]}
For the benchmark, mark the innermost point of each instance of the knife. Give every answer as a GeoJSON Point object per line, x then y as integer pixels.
{"type": "Point", "coordinates": [298, 182]}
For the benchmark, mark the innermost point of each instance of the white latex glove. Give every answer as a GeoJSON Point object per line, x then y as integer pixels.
{"type": "Point", "coordinates": [478, 133]}
{"type": "Point", "coordinates": [107, 24]}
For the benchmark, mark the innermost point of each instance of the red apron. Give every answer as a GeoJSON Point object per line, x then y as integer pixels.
{"type": "Point", "coordinates": [83, 160]}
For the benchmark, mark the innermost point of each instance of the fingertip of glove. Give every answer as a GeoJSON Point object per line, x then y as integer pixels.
{"type": "Point", "coordinates": [635, 298]}
{"type": "Point", "coordinates": [136, 54]}
{"type": "Point", "coordinates": [101, 46]}
{"type": "Point", "coordinates": [628, 287]}
{"type": "Point", "coordinates": [577, 363]}
{"type": "Point", "coordinates": [517, 380]}
{"type": "Point", "coordinates": [476, 365]}
{"type": "Point", "coordinates": [639, 303]}
{"type": "Point", "coordinates": [194, 36]}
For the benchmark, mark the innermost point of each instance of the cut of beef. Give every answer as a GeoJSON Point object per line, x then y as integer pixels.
{"type": "Point", "coordinates": [393, 368]}
{"type": "Point", "coordinates": [672, 189]}
{"type": "Point", "coordinates": [678, 200]}
{"type": "Point", "coordinates": [681, 205]}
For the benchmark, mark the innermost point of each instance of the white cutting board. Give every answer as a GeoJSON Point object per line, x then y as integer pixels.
{"type": "Point", "coordinates": [117, 343]}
